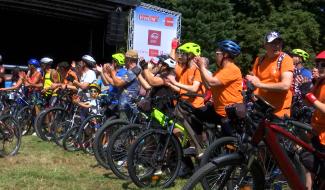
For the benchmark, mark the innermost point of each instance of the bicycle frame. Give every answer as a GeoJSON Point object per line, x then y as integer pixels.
{"type": "Point", "coordinates": [267, 132]}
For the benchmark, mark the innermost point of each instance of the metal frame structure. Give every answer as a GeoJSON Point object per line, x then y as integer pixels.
{"type": "Point", "coordinates": [154, 8]}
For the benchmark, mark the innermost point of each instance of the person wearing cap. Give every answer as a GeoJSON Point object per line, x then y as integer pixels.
{"type": "Point", "coordinates": [128, 84]}
{"type": "Point", "coordinates": [315, 96]}
{"type": "Point", "coordinates": [272, 75]}
{"type": "Point", "coordinates": [88, 76]}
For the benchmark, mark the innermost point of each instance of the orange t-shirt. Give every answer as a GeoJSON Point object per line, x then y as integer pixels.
{"type": "Point", "coordinates": [267, 71]}
{"type": "Point", "coordinates": [230, 91]}
{"type": "Point", "coordinates": [318, 119]}
{"type": "Point", "coordinates": [187, 76]}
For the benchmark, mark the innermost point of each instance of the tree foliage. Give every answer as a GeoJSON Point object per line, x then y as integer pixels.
{"type": "Point", "coordinates": [247, 21]}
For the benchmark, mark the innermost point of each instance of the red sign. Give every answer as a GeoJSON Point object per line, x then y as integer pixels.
{"type": "Point", "coordinates": [153, 52]}
{"type": "Point", "coordinates": [148, 18]}
{"type": "Point", "coordinates": [169, 21]}
{"type": "Point", "coordinates": [154, 37]}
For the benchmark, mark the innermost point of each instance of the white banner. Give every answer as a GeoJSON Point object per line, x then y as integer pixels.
{"type": "Point", "coordinates": [153, 31]}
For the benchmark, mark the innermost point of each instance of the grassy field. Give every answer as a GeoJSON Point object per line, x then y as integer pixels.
{"type": "Point", "coordinates": [42, 165]}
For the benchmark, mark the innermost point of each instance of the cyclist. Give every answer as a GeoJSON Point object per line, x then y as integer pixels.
{"type": "Point", "coordinates": [34, 76]}
{"type": "Point", "coordinates": [118, 63]}
{"type": "Point", "coordinates": [316, 98]}
{"type": "Point", "coordinates": [127, 84]}
{"type": "Point", "coordinates": [18, 77]}
{"type": "Point", "coordinates": [226, 82]}
{"type": "Point", "coordinates": [188, 80]}
{"type": "Point", "coordinates": [67, 76]}
{"type": "Point", "coordinates": [88, 76]}
{"type": "Point", "coordinates": [92, 103]}
{"type": "Point", "coordinates": [164, 66]}
{"type": "Point", "coordinates": [50, 76]}
{"type": "Point", "coordinates": [272, 75]}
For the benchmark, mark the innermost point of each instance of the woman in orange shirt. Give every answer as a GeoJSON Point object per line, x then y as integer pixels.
{"type": "Point", "coordinates": [316, 98]}
{"type": "Point", "coordinates": [226, 82]}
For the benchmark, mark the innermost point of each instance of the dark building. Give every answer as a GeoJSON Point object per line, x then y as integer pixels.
{"type": "Point", "coordinates": [62, 29]}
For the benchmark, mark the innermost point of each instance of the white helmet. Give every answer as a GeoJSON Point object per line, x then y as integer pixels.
{"type": "Point", "coordinates": [89, 60]}
{"type": "Point", "coordinates": [46, 60]}
{"type": "Point", "coordinates": [170, 62]}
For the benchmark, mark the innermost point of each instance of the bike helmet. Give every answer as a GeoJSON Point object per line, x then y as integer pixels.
{"type": "Point", "coordinates": [321, 55]}
{"type": "Point", "coordinates": [90, 61]}
{"type": "Point", "coordinates": [33, 62]}
{"type": "Point", "coordinates": [94, 85]}
{"type": "Point", "coordinates": [170, 62]}
{"type": "Point", "coordinates": [299, 52]}
{"type": "Point", "coordinates": [120, 58]}
{"type": "Point", "coordinates": [190, 48]}
{"type": "Point", "coordinates": [230, 47]}
{"type": "Point", "coordinates": [46, 60]}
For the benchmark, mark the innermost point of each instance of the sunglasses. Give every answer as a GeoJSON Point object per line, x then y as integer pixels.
{"type": "Point", "coordinates": [93, 91]}
{"type": "Point", "coordinates": [218, 52]}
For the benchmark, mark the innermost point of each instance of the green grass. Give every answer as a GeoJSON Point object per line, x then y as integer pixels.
{"type": "Point", "coordinates": [42, 165]}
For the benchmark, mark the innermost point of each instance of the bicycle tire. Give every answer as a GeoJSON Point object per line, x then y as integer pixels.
{"type": "Point", "coordinates": [45, 129]}
{"type": "Point", "coordinates": [89, 135]}
{"type": "Point", "coordinates": [171, 159]}
{"type": "Point", "coordinates": [100, 143]}
{"type": "Point", "coordinates": [24, 118]}
{"type": "Point", "coordinates": [229, 161]}
{"type": "Point", "coordinates": [69, 141]}
{"type": "Point", "coordinates": [37, 122]}
{"type": "Point", "coordinates": [9, 131]}
{"type": "Point", "coordinates": [118, 147]}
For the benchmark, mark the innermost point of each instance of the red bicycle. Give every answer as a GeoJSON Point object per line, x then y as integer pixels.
{"type": "Point", "coordinates": [242, 169]}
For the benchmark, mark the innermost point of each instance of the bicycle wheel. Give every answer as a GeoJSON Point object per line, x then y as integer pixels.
{"type": "Point", "coordinates": [228, 172]}
{"type": "Point", "coordinates": [224, 145]}
{"type": "Point", "coordinates": [69, 141]}
{"type": "Point", "coordinates": [148, 165]}
{"type": "Point", "coordinates": [24, 118]}
{"type": "Point", "coordinates": [10, 136]}
{"type": "Point", "coordinates": [102, 138]}
{"type": "Point", "coordinates": [38, 122]}
{"type": "Point", "coordinates": [118, 147]}
{"type": "Point", "coordinates": [50, 119]}
{"type": "Point", "coordinates": [61, 127]}
{"type": "Point", "coordinates": [87, 130]}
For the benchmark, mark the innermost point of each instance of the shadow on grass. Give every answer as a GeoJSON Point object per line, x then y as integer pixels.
{"type": "Point", "coordinates": [110, 176]}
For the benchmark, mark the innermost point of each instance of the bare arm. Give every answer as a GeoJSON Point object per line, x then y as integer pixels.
{"type": "Point", "coordinates": [143, 82]}
{"type": "Point", "coordinates": [191, 88]}
{"type": "Point", "coordinates": [116, 81]}
{"type": "Point", "coordinates": [319, 105]}
{"type": "Point", "coordinates": [283, 85]}
{"type": "Point", "coordinates": [16, 86]}
{"type": "Point", "coordinates": [152, 80]}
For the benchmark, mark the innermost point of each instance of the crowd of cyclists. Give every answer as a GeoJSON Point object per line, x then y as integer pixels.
{"type": "Point", "coordinates": [153, 120]}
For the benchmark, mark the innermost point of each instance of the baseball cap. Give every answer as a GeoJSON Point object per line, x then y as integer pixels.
{"type": "Point", "coordinates": [271, 36]}
{"type": "Point", "coordinates": [132, 54]}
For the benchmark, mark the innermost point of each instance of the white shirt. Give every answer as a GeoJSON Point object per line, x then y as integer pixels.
{"type": "Point", "coordinates": [89, 76]}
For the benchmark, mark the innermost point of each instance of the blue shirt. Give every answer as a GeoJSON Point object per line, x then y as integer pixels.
{"type": "Point", "coordinates": [306, 73]}
{"type": "Point", "coordinates": [130, 91]}
{"type": "Point", "coordinates": [120, 73]}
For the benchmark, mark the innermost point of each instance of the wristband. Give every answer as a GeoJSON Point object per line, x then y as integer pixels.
{"type": "Point", "coordinates": [311, 98]}
{"type": "Point", "coordinates": [174, 43]}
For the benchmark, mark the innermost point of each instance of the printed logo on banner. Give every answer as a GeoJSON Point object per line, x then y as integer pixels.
{"type": "Point", "coordinates": [169, 21]}
{"type": "Point", "coordinates": [154, 37]}
{"type": "Point", "coordinates": [148, 18]}
{"type": "Point", "coordinates": [153, 52]}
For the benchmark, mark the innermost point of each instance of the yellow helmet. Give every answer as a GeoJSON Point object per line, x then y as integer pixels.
{"type": "Point", "coordinates": [190, 48]}
{"type": "Point", "coordinates": [120, 58]}
{"type": "Point", "coordinates": [94, 85]}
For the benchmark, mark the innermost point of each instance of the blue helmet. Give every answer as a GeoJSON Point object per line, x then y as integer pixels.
{"type": "Point", "coordinates": [230, 47]}
{"type": "Point", "coordinates": [33, 62]}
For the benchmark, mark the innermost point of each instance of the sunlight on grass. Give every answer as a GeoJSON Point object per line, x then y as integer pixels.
{"type": "Point", "coordinates": [42, 165]}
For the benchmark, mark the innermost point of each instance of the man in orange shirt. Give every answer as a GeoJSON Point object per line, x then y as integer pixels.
{"type": "Point", "coordinates": [226, 82]}
{"type": "Point", "coordinates": [188, 80]}
{"type": "Point", "coordinates": [273, 75]}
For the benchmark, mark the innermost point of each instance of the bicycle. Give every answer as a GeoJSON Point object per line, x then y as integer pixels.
{"type": "Point", "coordinates": [245, 159]}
